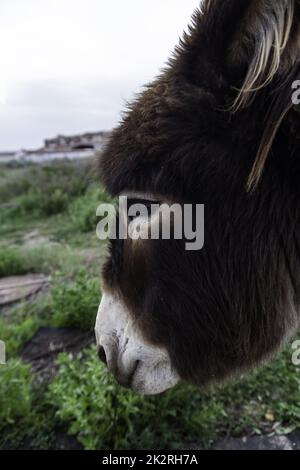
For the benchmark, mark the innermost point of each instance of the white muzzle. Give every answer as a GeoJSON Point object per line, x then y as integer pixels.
{"type": "Point", "coordinates": [146, 369]}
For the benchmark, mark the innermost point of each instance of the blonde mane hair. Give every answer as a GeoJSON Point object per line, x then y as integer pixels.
{"type": "Point", "coordinates": [271, 32]}
{"type": "Point", "coordinates": [264, 35]}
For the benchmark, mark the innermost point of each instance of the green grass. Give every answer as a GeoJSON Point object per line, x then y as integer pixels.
{"type": "Point", "coordinates": [38, 195]}
{"type": "Point", "coordinates": [18, 260]}
{"type": "Point", "coordinates": [10, 262]}
{"type": "Point", "coordinates": [47, 188]}
{"type": "Point", "coordinates": [84, 401]}
{"type": "Point", "coordinates": [59, 201]}
{"type": "Point", "coordinates": [71, 303]}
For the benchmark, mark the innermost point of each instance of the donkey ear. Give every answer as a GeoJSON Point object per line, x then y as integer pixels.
{"type": "Point", "coordinates": [253, 45]}
{"type": "Point", "coordinates": [252, 39]}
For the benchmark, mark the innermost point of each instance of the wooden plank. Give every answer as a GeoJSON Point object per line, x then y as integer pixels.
{"type": "Point", "coordinates": [17, 288]}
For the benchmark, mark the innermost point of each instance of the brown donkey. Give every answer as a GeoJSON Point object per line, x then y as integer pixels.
{"type": "Point", "coordinates": [218, 127]}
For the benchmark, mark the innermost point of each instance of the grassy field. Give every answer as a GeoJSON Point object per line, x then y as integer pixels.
{"type": "Point", "coordinates": [58, 203]}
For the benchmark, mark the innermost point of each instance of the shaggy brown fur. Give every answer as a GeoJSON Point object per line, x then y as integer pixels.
{"type": "Point", "coordinates": [219, 112]}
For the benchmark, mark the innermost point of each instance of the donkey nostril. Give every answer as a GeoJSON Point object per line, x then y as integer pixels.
{"type": "Point", "coordinates": [102, 355]}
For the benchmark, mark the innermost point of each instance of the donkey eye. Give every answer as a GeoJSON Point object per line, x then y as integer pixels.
{"type": "Point", "coordinates": [148, 206]}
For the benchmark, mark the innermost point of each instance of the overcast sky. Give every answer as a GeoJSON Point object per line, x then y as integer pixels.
{"type": "Point", "coordinates": [68, 66]}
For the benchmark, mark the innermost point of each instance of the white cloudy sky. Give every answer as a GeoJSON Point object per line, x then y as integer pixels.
{"type": "Point", "coordinates": [68, 66]}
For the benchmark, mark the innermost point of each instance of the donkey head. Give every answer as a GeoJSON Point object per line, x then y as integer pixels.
{"type": "Point", "coordinates": [215, 129]}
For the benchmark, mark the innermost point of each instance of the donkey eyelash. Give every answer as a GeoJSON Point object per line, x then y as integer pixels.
{"type": "Point", "coordinates": [145, 202]}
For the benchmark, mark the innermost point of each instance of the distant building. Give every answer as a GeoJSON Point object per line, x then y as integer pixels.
{"type": "Point", "coordinates": [61, 147]}
{"type": "Point", "coordinates": [88, 141]}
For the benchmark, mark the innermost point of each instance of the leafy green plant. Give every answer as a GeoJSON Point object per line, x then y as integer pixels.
{"type": "Point", "coordinates": [26, 421]}
{"type": "Point", "coordinates": [101, 415]}
{"type": "Point", "coordinates": [15, 392]}
{"type": "Point", "coordinates": [75, 303]}
{"type": "Point", "coordinates": [83, 210]}
{"type": "Point", "coordinates": [15, 335]}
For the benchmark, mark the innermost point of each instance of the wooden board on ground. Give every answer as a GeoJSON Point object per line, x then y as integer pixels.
{"type": "Point", "coordinates": [16, 288]}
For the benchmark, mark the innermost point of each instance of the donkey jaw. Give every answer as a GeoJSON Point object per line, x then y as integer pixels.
{"type": "Point", "coordinates": [146, 369]}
